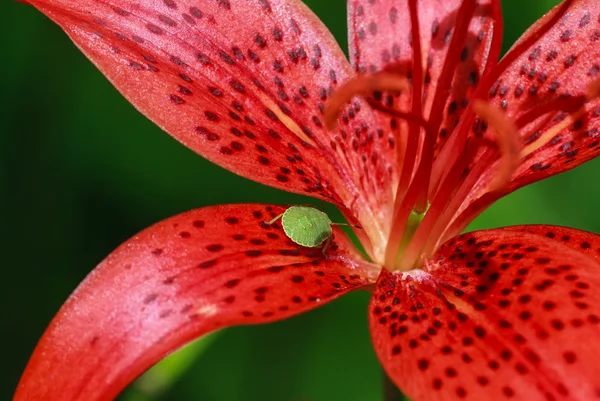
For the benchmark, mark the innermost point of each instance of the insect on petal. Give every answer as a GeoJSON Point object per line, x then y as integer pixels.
{"type": "Point", "coordinates": [177, 280]}
{"type": "Point", "coordinates": [499, 314]}
{"type": "Point", "coordinates": [249, 99]}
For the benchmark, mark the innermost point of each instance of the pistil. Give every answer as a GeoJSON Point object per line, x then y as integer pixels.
{"type": "Point", "coordinates": [410, 154]}
{"type": "Point", "coordinates": [413, 188]}
{"type": "Point", "coordinates": [447, 197]}
{"type": "Point", "coordinates": [423, 174]}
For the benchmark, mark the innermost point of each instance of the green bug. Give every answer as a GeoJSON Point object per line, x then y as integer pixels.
{"type": "Point", "coordinates": [307, 226]}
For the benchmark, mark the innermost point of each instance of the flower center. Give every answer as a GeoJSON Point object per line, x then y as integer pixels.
{"type": "Point", "coordinates": [440, 190]}
{"type": "Point", "coordinates": [438, 200]}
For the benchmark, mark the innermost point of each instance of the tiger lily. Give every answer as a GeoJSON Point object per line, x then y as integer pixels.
{"type": "Point", "coordinates": [413, 138]}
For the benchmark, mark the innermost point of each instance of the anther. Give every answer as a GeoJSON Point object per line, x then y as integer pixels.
{"type": "Point", "coordinates": [361, 85]}
{"type": "Point", "coordinates": [509, 142]}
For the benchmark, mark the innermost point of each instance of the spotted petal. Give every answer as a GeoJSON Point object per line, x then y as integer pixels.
{"type": "Point", "coordinates": [249, 99]}
{"type": "Point", "coordinates": [543, 83]}
{"type": "Point", "coordinates": [500, 314]}
{"type": "Point", "coordinates": [562, 63]}
{"type": "Point", "coordinates": [179, 279]}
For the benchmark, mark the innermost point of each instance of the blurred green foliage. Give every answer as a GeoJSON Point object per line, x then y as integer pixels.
{"type": "Point", "coordinates": [81, 171]}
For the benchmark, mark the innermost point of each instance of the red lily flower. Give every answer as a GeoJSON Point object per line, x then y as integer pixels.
{"type": "Point", "coordinates": [441, 132]}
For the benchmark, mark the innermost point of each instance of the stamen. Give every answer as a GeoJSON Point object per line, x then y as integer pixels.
{"type": "Point", "coordinates": [361, 85]}
{"type": "Point", "coordinates": [455, 187]}
{"type": "Point", "coordinates": [451, 150]}
{"type": "Point", "coordinates": [412, 143]}
{"type": "Point", "coordinates": [461, 221]}
{"type": "Point", "coordinates": [403, 204]}
{"type": "Point", "coordinates": [456, 141]}
{"type": "Point", "coordinates": [459, 37]}
{"type": "Point", "coordinates": [465, 185]}
{"type": "Point", "coordinates": [439, 204]}
{"type": "Point", "coordinates": [409, 117]}
{"type": "Point", "coordinates": [465, 14]}
{"type": "Point", "coordinates": [496, 40]}
{"type": "Point", "coordinates": [426, 174]}
{"type": "Point", "coordinates": [508, 140]}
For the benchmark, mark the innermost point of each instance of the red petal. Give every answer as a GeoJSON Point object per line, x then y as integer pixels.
{"type": "Point", "coordinates": [562, 62]}
{"type": "Point", "coordinates": [242, 83]}
{"type": "Point", "coordinates": [500, 314]}
{"type": "Point", "coordinates": [380, 38]}
{"type": "Point", "coordinates": [582, 241]}
{"type": "Point", "coordinates": [179, 279]}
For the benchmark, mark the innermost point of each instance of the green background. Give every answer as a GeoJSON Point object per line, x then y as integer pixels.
{"type": "Point", "coordinates": [81, 171]}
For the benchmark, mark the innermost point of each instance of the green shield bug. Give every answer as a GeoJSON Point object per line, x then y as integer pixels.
{"type": "Point", "coordinates": [306, 226]}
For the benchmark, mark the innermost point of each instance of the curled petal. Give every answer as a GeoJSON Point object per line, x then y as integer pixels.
{"type": "Point", "coordinates": [177, 280]}
{"type": "Point", "coordinates": [497, 314]}
{"type": "Point", "coordinates": [249, 99]}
